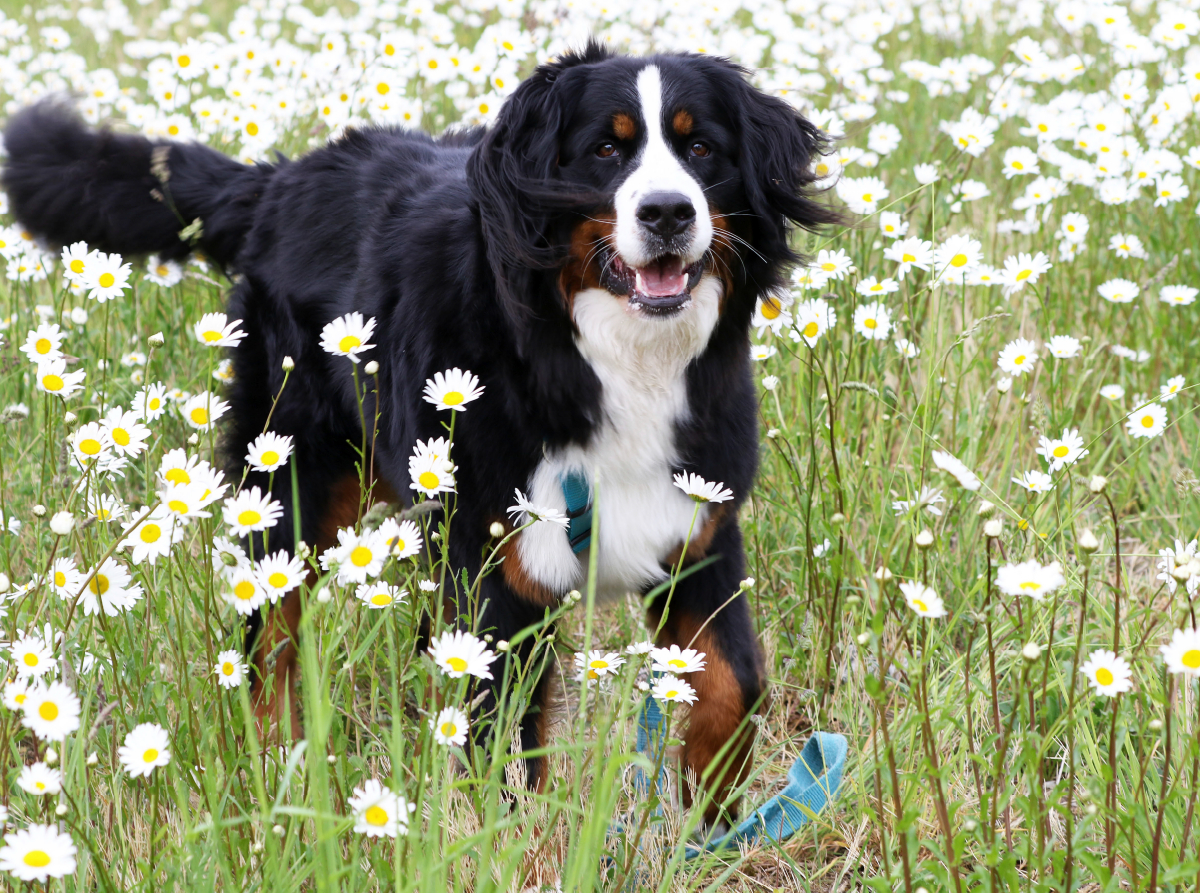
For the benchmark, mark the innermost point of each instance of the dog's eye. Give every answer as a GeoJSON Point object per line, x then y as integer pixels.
{"type": "Point", "coordinates": [701, 150]}
{"type": "Point", "coordinates": [606, 150]}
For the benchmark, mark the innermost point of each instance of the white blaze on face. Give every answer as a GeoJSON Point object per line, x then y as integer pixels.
{"type": "Point", "coordinates": [658, 169]}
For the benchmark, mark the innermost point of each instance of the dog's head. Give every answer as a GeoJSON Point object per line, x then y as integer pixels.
{"type": "Point", "coordinates": [641, 175]}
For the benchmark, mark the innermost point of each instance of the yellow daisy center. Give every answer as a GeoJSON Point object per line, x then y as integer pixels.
{"type": "Point", "coordinates": [1104, 676]}
{"type": "Point", "coordinates": [867, 197]}
{"type": "Point", "coordinates": [457, 664]}
{"type": "Point", "coordinates": [1060, 451]}
{"type": "Point", "coordinates": [1029, 584]}
{"type": "Point", "coordinates": [1023, 275]}
{"type": "Point", "coordinates": [770, 310]}
{"type": "Point", "coordinates": [1147, 421]}
{"type": "Point", "coordinates": [42, 346]}
{"type": "Point", "coordinates": [599, 664]}
{"type": "Point", "coordinates": [37, 859]}
{"type": "Point", "coordinates": [244, 590]}
{"type": "Point", "coordinates": [106, 280]}
{"type": "Point", "coordinates": [958, 260]}
{"type": "Point", "coordinates": [349, 342]}
{"type": "Point", "coordinates": [151, 533]}
{"type": "Point", "coordinates": [381, 598]}
{"type": "Point", "coordinates": [270, 457]}
{"type": "Point", "coordinates": [870, 323]}
{"type": "Point", "coordinates": [252, 129]}
{"type": "Point", "coordinates": [449, 730]}
{"type": "Point", "coordinates": [185, 61]}
{"type": "Point", "coordinates": [376, 815]}
{"type": "Point", "coordinates": [1019, 360]}
{"type": "Point", "coordinates": [99, 584]}
{"type": "Point", "coordinates": [211, 335]}
{"type": "Point", "coordinates": [920, 605]}
{"type": "Point", "coordinates": [428, 480]}
{"type": "Point", "coordinates": [672, 693]}
{"type": "Point", "coordinates": [150, 755]}
{"type": "Point", "coordinates": [810, 330]}
{"type": "Point", "coordinates": [908, 258]}
{"type": "Point", "coordinates": [227, 668]}
{"type": "Point", "coordinates": [1191, 659]}
{"type": "Point", "coordinates": [178, 505]}
{"type": "Point", "coordinates": [453, 398]}
{"type": "Point", "coordinates": [89, 447]}
{"type": "Point", "coordinates": [248, 517]}
{"type": "Point", "coordinates": [361, 556]}
{"type": "Point", "coordinates": [77, 266]}
{"type": "Point", "coordinates": [382, 89]}
{"type": "Point", "coordinates": [121, 436]}
{"type": "Point", "coordinates": [200, 415]}
{"type": "Point", "coordinates": [828, 267]}
{"type": "Point", "coordinates": [52, 382]}
{"type": "Point", "coordinates": [278, 579]}
{"type": "Point", "coordinates": [60, 579]}
{"type": "Point", "coordinates": [178, 476]}
{"type": "Point", "coordinates": [677, 663]}
{"type": "Point", "coordinates": [31, 660]}
{"type": "Point", "coordinates": [48, 711]}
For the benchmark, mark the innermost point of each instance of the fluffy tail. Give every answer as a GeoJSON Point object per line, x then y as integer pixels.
{"type": "Point", "coordinates": [67, 183]}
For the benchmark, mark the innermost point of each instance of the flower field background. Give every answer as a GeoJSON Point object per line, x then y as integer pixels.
{"type": "Point", "coordinates": [972, 539]}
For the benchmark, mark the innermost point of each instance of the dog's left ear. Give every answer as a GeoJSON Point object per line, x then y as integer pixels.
{"type": "Point", "coordinates": [775, 158]}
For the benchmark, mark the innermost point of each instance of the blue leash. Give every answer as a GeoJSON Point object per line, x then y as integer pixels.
{"type": "Point", "coordinates": [813, 782]}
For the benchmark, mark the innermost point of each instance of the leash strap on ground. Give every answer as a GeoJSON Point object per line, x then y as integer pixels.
{"type": "Point", "coordinates": [813, 782]}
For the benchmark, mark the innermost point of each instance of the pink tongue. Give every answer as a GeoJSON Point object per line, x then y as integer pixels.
{"type": "Point", "coordinates": [662, 279]}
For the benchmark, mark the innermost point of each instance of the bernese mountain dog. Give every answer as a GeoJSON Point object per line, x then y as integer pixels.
{"type": "Point", "coordinates": [595, 257]}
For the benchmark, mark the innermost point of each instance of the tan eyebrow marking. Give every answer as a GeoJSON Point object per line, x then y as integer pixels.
{"type": "Point", "coordinates": [682, 122]}
{"type": "Point", "coordinates": [623, 126]}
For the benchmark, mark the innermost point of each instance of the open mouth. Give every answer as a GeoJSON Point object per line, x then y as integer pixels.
{"type": "Point", "coordinates": [662, 286]}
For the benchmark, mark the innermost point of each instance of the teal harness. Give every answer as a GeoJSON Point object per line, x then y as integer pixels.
{"type": "Point", "coordinates": [578, 496]}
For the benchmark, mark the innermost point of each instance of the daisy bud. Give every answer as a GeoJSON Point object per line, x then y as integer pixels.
{"type": "Point", "coordinates": [863, 639]}
{"type": "Point", "coordinates": [1003, 385]}
{"type": "Point", "coordinates": [288, 364]}
{"type": "Point", "coordinates": [502, 645]}
{"type": "Point", "coordinates": [1086, 540]}
{"type": "Point", "coordinates": [61, 809]}
{"type": "Point", "coordinates": [921, 890]}
{"type": "Point", "coordinates": [5, 583]}
{"type": "Point", "coordinates": [837, 519]}
{"type": "Point", "coordinates": [258, 846]}
{"type": "Point", "coordinates": [92, 759]}
{"type": "Point", "coordinates": [228, 559]}
{"type": "Point", "coordinates": [1181, 572]}
{"type": "Point", "coordinates": [1098, 483]}
{"type": "Point", "coordinates": [924, 539]}
{"type": "Point", "coordinates": [156, 340]}
{"type": "Point", "coordinates": [324, 596]}
{"type": "Point", "coordinates": [1032, 651]}
{"type": "Point", "coordinates": [1194, 567]}
{"type": "Point", "coordinates": [194, 439]}
{"type": "Point", "coordinates": [747, 584]}
{"type": "Point", "coordinates": [331, 759]}
{"type": "Point", "coordinates": [985, 509]}
{"type": "Point", "coordinates": [992, 528]}
{"type": "Point", "coordinates": [302, 549]}
{"type": "Point", "coordinates": [573, 596]}
{"type": "Point", "coordinates": [372, 368]}
{"type": "Point", "coordinates": [643, 687]}
{"type": "Point", "coordinates": [772, 433]}
{"type": "Point", "coordinates": [51, 756]}
{"type": "Point", "coordinates": [970, 825]}
{"type": "Point", "coordinates": [853, 599]}
{"type": "Point", "coordinates": [496, 530]}
{"type": "Point", "coordinates": [487, 637]}
{"type": "Point", "coordinates": [62, 523]}
{"type": "Point", "coordinates": [69, 419]}
{"type": "Point", "coordinates": [436, 536]}
{"type": "Point", "coordinates": [277, 829]}
{"type": "Point", "coordinates": [882, 574]}
{"type": "Point", "coordinates": [1156, 725]}
{"type": "Point", "coordinates": [39, 510]}
{"type": "Point", "coordinates": [1092, 809]}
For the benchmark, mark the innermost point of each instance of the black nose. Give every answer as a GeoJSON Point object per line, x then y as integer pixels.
{"type": "Point", "coordinates": [666, 213]}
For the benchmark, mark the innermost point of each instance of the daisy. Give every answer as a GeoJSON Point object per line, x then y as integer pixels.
{"type": "Point", "coordinates": [31, 656]}
{"type": "Point", "coordinates": [37, 853]}
{"type": "Point", "coordinates": [402, 539]}
{"type": "Point", "coordinates": [50, 711]}
{"type": "Point", "coordinates": [450, 727]}
{"type": "Point", "coordinates": [146, 748]}
{"type": "Point", "coordinates": [125, 431]}
{"type": "Point", "coordinates": [1168, 391]}
{"type": "Point", "coordinates": [1074, 228]}
{"type": "Point", "coordinates": [357, 557]}
{"type": "Point", "coordinates": [1112, 392]}
{"type": "Point", "coordinates": [1023, 269]}
{"type": "Point", "coordinates": [1182, 653]}
{"type": "Point", "coordinates": [892, 226]}
{"type": "Point", "coordinates": [872, 321]}
{"type": "Point", "coordinates": [597, 664]}
{"type": "Point", "coordinates": [966, 478]}
{"type": "Point", "coordinates": [40, 780]}
{"type": "Point", "coordinates": [105, 507]}
{"type": "Point", "coordinates": [771, 313]}
{"type": "Point", "coordinates": [1063, 347]}
{"type": "Point", "coordinates": [1119, 291]}
{"type": "Point", "coordinates": [1149, 421]}
{"type": "Point", "coordinates": [185, 500]}
{"type": "Point", "coordinates": [152, 537]}
{"type": "Point", "coordinates": [269, 451]}
{"type": "Point", "coordinates": [43, 343]}
{"type": "Point", "coordinates": [834, 264]}
{"type": "Point", "coordinates": [106, 277]}
{"type": "Point", "coordinates": [214, 330]}
{"type": "Point", "coordinates": [925, 173]}
{"type": "Point", "coordinates": [177, 467]}
{"type": "Point", "coordinates": [53, 378]}
{"type": "Point", "coordinates": [89, 444]}
{"type": "Point", "coordinates": [279, 574]}
{"type": "Point", "coordinates": [75, 260]}
{"type": "Point", "coordinates": [907, 349]}
{"type": "Point", "coordinates": [923, 599]}
{"type": "Point", "coordinates": [760, 352]}
{"type": "Point", "coordinates": [378, 812]}
{"type": "Point", "coordinates": [871, 286]}
{"type": "Point", "coordinates": [1108, 674]}
{"type": "Point", "coordinates": [956, 257]}
{"type": "Point", "coordinates": [910, 254]}
{"type": "Point", "coordinates": [813, 319]}
{"type": "Point", "coordinates": [224, 371]}
{"type": "Point", "coordinates": [861, 195]}
{"type": "Point", "coordinates": [674, 659]}
{"type": "Point", "coordinates": [929, 498]}
{"type": "Point", "coordinates": [230, 669]}
{"type": "Point", "coordinates": [1127, 246]}
{"type": "Point", "coordinates": [245, 593]}
{"type": "Point", "coordinates": [348, 336]}
{"type": "Point", "coordinates": [973, 190]}
{"type": "Point", "coordinates": [459, 653]}
{"type": "Point", "coordinates": [379, 595]}
{"type": "Point", "coordinates": [1019, 161]}
{"type": "Point", "coordinates": [65, 577]}
{"type": "Point", "coordinates": [16, 693]}
{"type": "Point", "coordinates": [1030, 578]}
{"type": "Point", "coordinates": [1168, 189]}
{"type": "Point", "coordinates": [701, 490]}
{"type": "Point", "coordinates": [1178, 294]}
{"type": "Point", "coordinates": [525, 512]}
{"type": "Point", "coordinates": [430, 467]}
{"type": "Point", "coordinates": [251, 510]}
{"type": "Point", "coordinates": [1035, 481]}
{"type": "Point", "coordinates": [1018, 357]}
{"type": "Point", "coordinates": [163, 273]}
{"type": "Point", "coordinates": [452, 389]}
{"type": "Point", "coordinates": [202, 410]}
{"type": "Point", "coordinates": [110, 589]}
{"type": "Point", "coordinates": [673, 689]}
{"type": "Point", "coordinates": [1062, 451]}
{"type": "Point", "coordinates": [150, 402]}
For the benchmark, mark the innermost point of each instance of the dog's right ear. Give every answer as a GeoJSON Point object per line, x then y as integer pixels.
{"type": "Point", "coordinates": [513, 173]}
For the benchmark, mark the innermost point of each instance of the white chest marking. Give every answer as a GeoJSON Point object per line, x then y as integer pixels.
{"type": "Point", "coordinates": [642, 364]}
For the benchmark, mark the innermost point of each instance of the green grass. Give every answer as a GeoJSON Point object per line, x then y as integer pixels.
{"type": "Point", "coordinates": [971, 766]}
